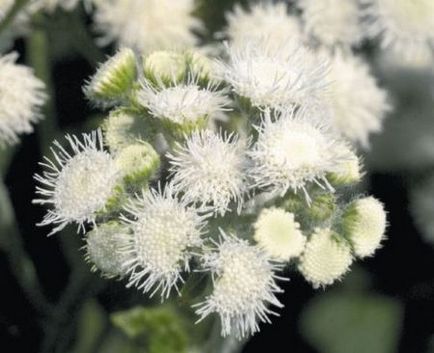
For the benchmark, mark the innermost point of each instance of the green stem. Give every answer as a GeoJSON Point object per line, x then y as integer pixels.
{"type": "Point", "coordinates": [20, 262]}
{"type": "Point", "coordinates": [38, 49]}
{"type": "Point", "coordinates": [10, 17]}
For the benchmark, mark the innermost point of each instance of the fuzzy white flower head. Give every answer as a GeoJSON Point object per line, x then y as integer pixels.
{"type": "Point", "coordinates": [79, 184]}
{"type": "Point", "coordinates": [325, 259]}
{"type": "Point", "coordinates": [244, 286]}
{"type": "Point", "coordinates": [289, 75]}
{"type": "Point", "coordinates": [165, 231]}
{"type": "Point", "coordinates": [365, 225]}
{"type": "Point", "coordinates": [403, 25]}
{"type": "Point", "coordinates": [357, 104]}
{"type": "Point", "coordinates": [277, 232]}
{"type": "Point", "coordinates": [262, 21]}
{"type": "Point", "coordinates": [184, 104]}
{"type": "Point", "coordinates": [103, 249]}
{"type": "Point", "coordinates": [333, 22]}
{"type": "Point", "coordinates": [147, 25]}
{"type": "Point", "coordinates": [209, 169]}
{"type": "Point", "coordinates": [21, 98]}
{"type": "Point", "coordinates": [291, 151]}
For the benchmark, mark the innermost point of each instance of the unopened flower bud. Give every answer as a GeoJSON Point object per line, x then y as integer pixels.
{"type": "Point", "coordinates": [166, 67]}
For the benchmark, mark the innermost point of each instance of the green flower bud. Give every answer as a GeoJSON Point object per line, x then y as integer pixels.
{"type": "Point", "coordinates": [103, 249]}
{"type": "Point", "coordinates": [123, 128]}
{"type": "Point", "coordinates": [364, 225]}
{"type": "Point", "coordinates": [164, 67]}
{"type": "Point", "coordinates": [322, 207]}
{"type": "Point", "coordinates": [138, 163]}
{"type": "Point", "coordinates": [348, 172]}
{"type": "Point", "coordinates": [200, 65]}
{"type": "Point", "coordinates": [112, 82]}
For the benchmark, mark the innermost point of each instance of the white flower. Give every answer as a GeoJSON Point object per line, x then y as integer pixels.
{"type": "Point", "coordinates": [244, 286]}
{"type": "Point", "coordinates": [405, 26]}
{"type": "Point", "coordinates": [333, 22]}
{"type": "Point", "coordinates": [274, 77]}
{"type": "Point", "coordinates": [147, 25]}
{"type": "Point", "coordinates": [5, 7]}
{"type": "Point", "coordinates": [103, 249]}
{"type": "Point", "coordinates": [325, 259]}
{"type": "Point", "coordinates": [209, 168]}
{"type": "Point", "coordinates": [357, 104]}
{"type": "Point", "coordinates": [76, 184]}
{"type": "Point", "coordinates": [184, 104]}
{"type": "Point", "coordinates": [292, 151]}
{"type": "Point", "coordinates": [277, 232]}
{"type": "Point", "coordinates": [365, 224]}
{"type": "Point", "coordinates": [21, 97]}
{"type": "Point", "coordinates": [165, 231]}
{"type": "Point", "coordinates": [262, 21]}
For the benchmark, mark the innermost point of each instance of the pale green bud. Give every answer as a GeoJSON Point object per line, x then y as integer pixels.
{"type": "Point", "coordinates": [123, 128]}
{"type": "Point", "coordinates": [103, 249]}
{"type": "Point", "coordinates": [138, 163]}
{"type": "Point", "coordinates": [364, 224]}
{"type": "Point", "coordinates": [200, 65]}
{"type": "Point", "coordinates": [349, 171]}
{"type": "Point", "coordinates": [114, 79]}
{"type": "Point", "coordinates": [326, 258]}
{"type": "Point", "coordinates": [322, 207]}
{"type": "Point", "coordinates": [166, 67]}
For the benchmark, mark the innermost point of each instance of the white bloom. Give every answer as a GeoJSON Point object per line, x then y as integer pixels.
{"type": "Point", "coordinates": [244, 286]}
{"type": "Point", "coordinates": [103, 249]}
{"type": "Point", "coordinates": [21, 98]}
{"type": "Point", "coordinates": [292, 151]}
{"type": "Point", "coordinates": [210, 169]}
{"type": "Point", "coordinates": [184, 104]}
{"type": "Point", "coordinates": [405, 26]}
{"type": "Point", "coordinates": [274, 77]}
{"type": "Point", "coordinates": [76, 184]}
{"type": "Point", "coordinates": [333, 22]}
{"type": "Point", "coordinates": [357, 104]}
{"type": "Point", "coordinates": [262, 21]}
{"type": "Point", "coordinates": [325, 259]}
{"type": "Point", "coordinates": [365, 224]}
{"type": "Point", "coordinates": [147, 25]}
{"type": "Point", "coordinates": [277, 232]}
{"type": "Point", "coordinates": [348, 171]}
{"type": "Point", "coordinates": [5, 6]}
{"type": "Point", "coordinates": [165, 231]}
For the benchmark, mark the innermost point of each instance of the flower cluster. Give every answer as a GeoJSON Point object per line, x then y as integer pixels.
{"type": "Point", "coordinates": [232, 168]}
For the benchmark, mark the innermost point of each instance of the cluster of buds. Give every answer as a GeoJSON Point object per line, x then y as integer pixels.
{"type": "Point", "coordinates": [207, 165]}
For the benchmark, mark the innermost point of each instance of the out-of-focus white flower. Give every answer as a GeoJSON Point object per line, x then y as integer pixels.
{"type": "Point", "coordinates": [21, 97]}
{"type": "Point", "coordinates": [422, 208]}
{"type": "Point", "coordinates": [293, 150]}
{"type": "Point", "coordinates": [277, 232]}
{"type": "Point", "coordinates": [333, 22]}
{"type": "Point", "coordinates": [185, 105]}
{"type": "Point", "coordinates": [405, 26]}
{"type": "Point", "coordinates": [103, 249]}
{"type": "Point", "coordinates": [165, 231]}
{"type": "Point", "coordinates": [210, 169]}
{"type": "Point", "coordinates": [357, 104]}
{"type": "Point", "coordinates": [325, 258]}
{"type": "Point", "coordinates": [289, 75]}
{"type": "Point", "coordinates": [77, 184]}
{"type": "Point", "coordinates": [5, 6]}
{"type": "Point", "coordinates": [147, 25]}
{"type": "Point", "coordinates": [262, 21]}
{"type": "Point", "coordinates": [244, 286]}
{"type": "Point", "coordinates": [364, 223]}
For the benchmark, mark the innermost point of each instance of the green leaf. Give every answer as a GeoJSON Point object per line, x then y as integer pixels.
{"type": "Point", "coordinates": [162, 329]}
{"type": "Point", "coordinates": [343, 322]}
